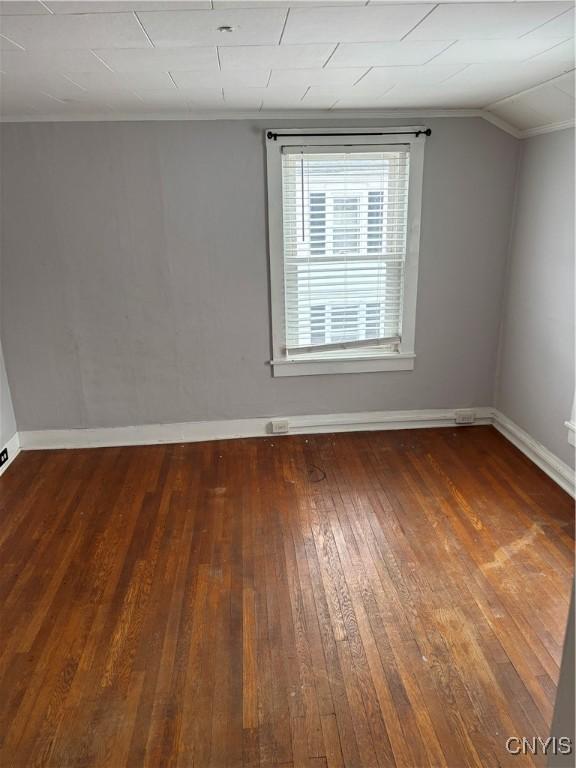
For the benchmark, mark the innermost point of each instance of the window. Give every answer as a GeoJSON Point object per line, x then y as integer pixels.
{"type": "Point", "coordinates": [344, 239]}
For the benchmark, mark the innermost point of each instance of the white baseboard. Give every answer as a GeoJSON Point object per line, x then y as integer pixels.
{"type": "Point", "coordinates": [13, 448]}
{"type": "Point", "coordinates": [548, 462]}
{"type": "Point", "coordinates": [196, 431]}
{"type": "Point", "coordinates": [571, 427]}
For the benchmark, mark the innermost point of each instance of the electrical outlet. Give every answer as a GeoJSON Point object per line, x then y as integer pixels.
{"type": "Point", "coordinates": [464, 416]}
{"type": "Point", "coordinates": [4, 456]}
{"type": "Point", "coordinates": [279, 426]}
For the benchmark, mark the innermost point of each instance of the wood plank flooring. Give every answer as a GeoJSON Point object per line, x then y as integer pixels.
{"type": "Point", "coordinates": [377, 599]}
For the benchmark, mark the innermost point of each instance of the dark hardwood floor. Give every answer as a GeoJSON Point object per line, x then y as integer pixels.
{"type": "Point", "coordinates": [377, 599]}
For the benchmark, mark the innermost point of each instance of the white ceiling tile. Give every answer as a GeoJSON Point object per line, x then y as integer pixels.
{"type": "Point", "coordinates": [306, 77]}
{"type": "Point", "coordinates": [200, 97]}
{"type": "Point", "coordinates": [384, 2]}
{"type": "Point", "coordinates": [15, 110]}
{"type": "Point", "coordinates": [459, 91]}
{"type": "Point", "coordinates": [289, 92]}
{"type": "Point", "coordinates": [284, 3]}
{"type": "Point", "coordinates": [563, 52]}
{"type": "Point", "coordinates": [157, 102]}
{"type": "Point", "coordinates": [98, 30]}
{"type": "Point", "coordinates": [560, 27]}
{"type": "Point", "coordinates": [242, 105]}
{"type": "Point", "coordinates": [50, 61]}
{"type": "Point", "coordinates": [83, 110]}
{"type": "Point", "coordinates": [519, 114]}
{"type": "Point", "coordinates": [427, 74]}
{"type": "Point", "coordinates": [156, 60]}
{"type": "Point", "coordinates": [21, 7]}
{"type": "Point", "coordinates": [118, 80]}
{"type": "Point", "coordinates": [487, 21]}
{"type": "Point", "coordinates": [333, 25]}
{"type": "Point", "coordinates": [275, 104]}
{"type": "Point", "coordinates": [53, 84]}
{"type": "Point", "coordinates": [127, 6]}
{"type": "Point", "coordinates": [255, 78]}
{"type": "Point", "coordinates": [200, 104]}
{"type": "Point", "coordinates": [565, 83]}
{"type": "Point", "coordinates": [492, 51]}
{"type": "Point", "coordinates": [9, 45]}
{"type": "Point", "coordinates": [86, 104]}
{"type": "Point", "coordinates": [548, 100]}
{"type": "Point", "coordinates": [110, 96]}
{"type": "Point", "coordinates": [244, 98]}
{"type": "Point", "coordinates": [360, 101]}
{"type": "Point", "coordinates": [282, 98]}
{"type": "Point", "coordinates": [324, 97]}
{"type": "Point", "coordinates": [386, 54]}
{"type": "Point", "coordinates": [26, 104]}
{"type": "Point", "coordinates": [479, 78]}
{"type": "Point", "coordinates": [250, 27]}
{"type": "Point", "coordinates": [274, 56]}
{"type": "Point", "coordinates": [120, 105]}
{"type": "Point", "coordinates": [320, 97]}
{"type": "Point", "coordinates": [440, 96]}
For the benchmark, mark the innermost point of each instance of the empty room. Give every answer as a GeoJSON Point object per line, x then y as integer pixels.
{"type": "Point", "coordinates": [287, 384]}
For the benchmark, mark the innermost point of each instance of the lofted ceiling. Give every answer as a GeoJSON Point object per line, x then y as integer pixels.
{"type": "Point", "coordinates": [108, 59]}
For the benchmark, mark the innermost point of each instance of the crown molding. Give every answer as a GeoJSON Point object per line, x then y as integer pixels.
{"type": "Point", "coordinates": [300, 114]}
{"type": "Point", "coordinates": [550, 128]}
{"type": "Point", "coordinates": [367, 114]}
{"type": "Point", "coordinates": [490, 117]}
{"type": "Point", "coordinates": [285, 114]}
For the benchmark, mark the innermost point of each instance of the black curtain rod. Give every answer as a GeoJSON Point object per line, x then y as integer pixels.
{"type": "Point", "coordinates": [275, 136]}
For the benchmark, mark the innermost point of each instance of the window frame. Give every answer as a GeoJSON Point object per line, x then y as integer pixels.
{"type": "Point", "coordinates": [343, 361]}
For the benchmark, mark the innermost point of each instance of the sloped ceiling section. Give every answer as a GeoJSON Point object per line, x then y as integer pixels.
{"type": "Point", "coordinates": [541, 107]}
{"type": "Point", "coordinates": [107, 59]}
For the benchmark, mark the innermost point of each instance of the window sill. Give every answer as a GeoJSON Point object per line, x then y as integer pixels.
{"type": "Point", "coordinates": [395, 362]}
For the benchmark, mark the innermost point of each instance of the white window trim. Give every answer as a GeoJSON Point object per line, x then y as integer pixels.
{"type": "Point", "coordinates": [403, 360]}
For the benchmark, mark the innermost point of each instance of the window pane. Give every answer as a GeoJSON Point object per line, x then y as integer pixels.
{"type": "Point", "coordinates": [375, 221]}
{"type": "Point", "coordinates": [318, 324]}
{"type": "Point", "coordinates": [346, 225]}
{"type": "Point", "coordinates": [318, 223]}
{"type": "Point", "coordinates": [344, 324]}
{"type": "Point", "coordinates": [373, 312]}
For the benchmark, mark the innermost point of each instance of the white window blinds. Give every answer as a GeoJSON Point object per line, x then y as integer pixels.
{"type": "Point", "coordinates": [345, 232]}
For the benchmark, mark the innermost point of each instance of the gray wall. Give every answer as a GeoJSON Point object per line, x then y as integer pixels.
{"type": "Point", "coordinates": [135, 276]}
{"type": "Point", "coordinates": [535, 383]}
{"type": "Point", "coordinates": [7, 420]}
